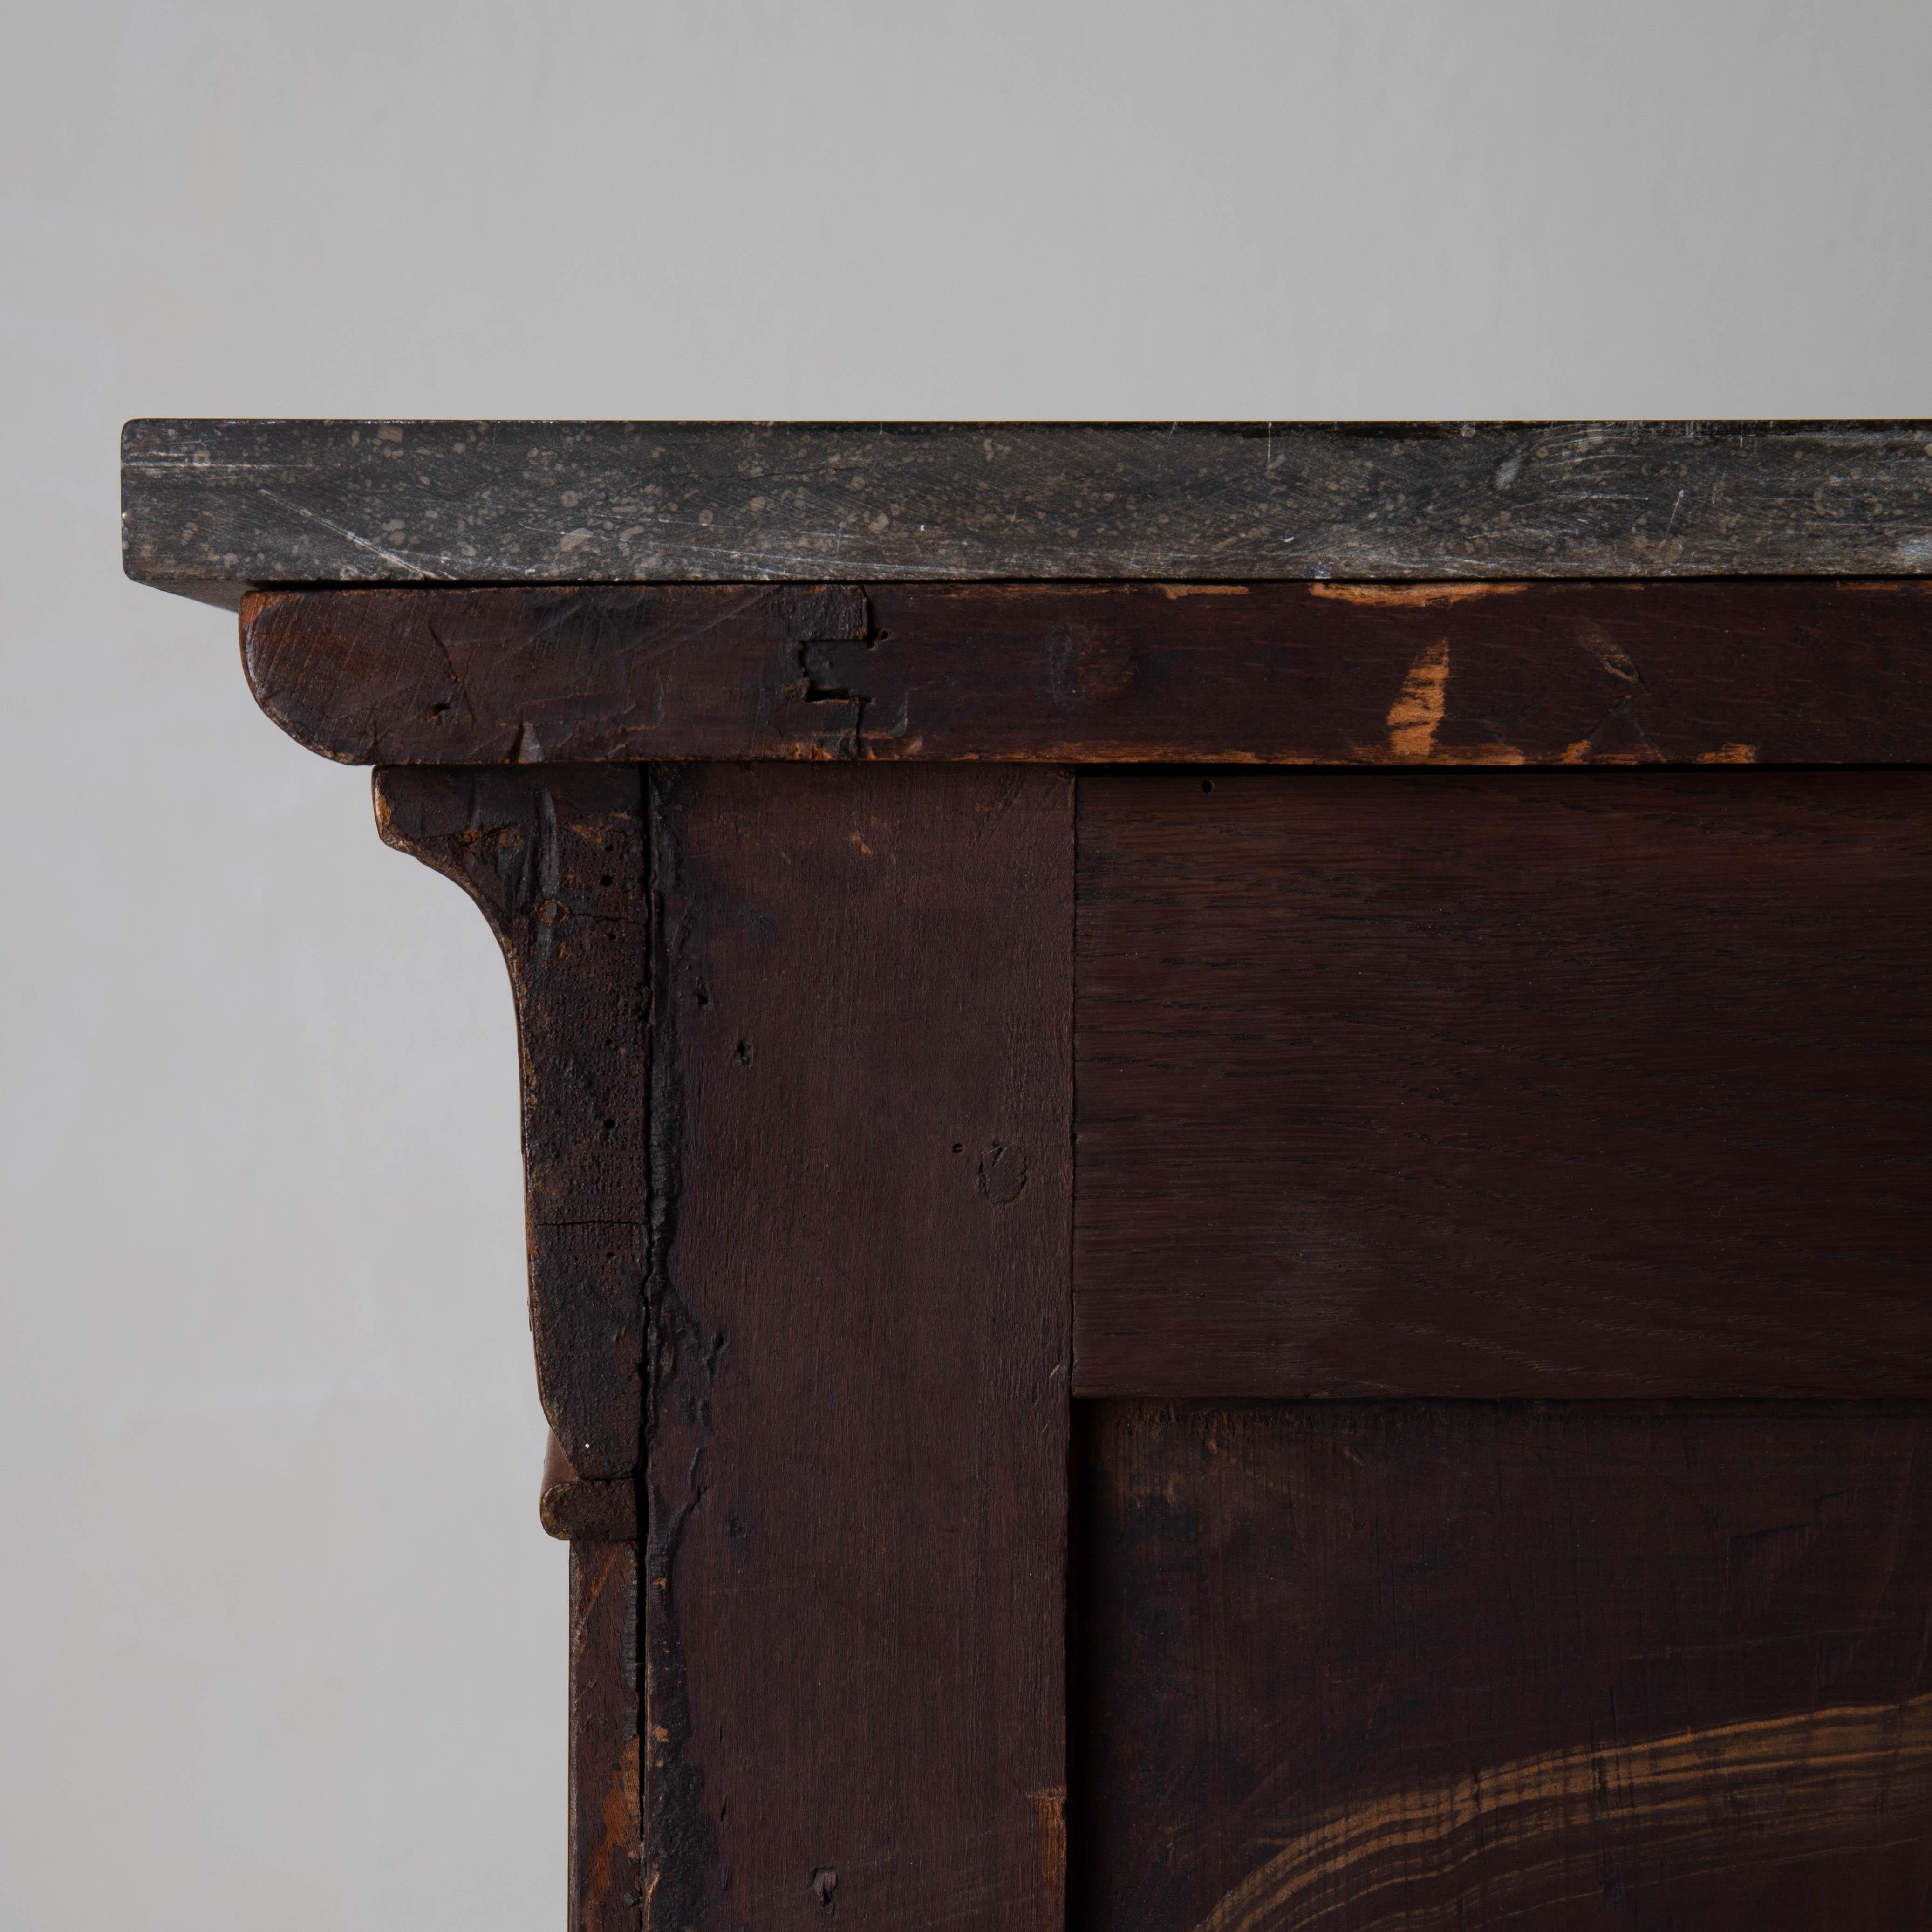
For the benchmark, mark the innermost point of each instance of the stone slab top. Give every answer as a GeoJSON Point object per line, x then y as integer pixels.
{"type": "Point", "coordinates": [214, 508]}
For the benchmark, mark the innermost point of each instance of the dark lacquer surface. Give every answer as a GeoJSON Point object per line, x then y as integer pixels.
{"type": "Point", "coordinates": [556, 860]}
{"type": "Point", "coordinates": [1579, 1083]}
{"type": "Point", "coordinates": [608, 1880]}
{"type": "Point", "coordinates": [1366, 1668]}
{"type": "Point", "coordinates": [855, 1579]}
{"type": "Point", "coordinates": [1766, 671]}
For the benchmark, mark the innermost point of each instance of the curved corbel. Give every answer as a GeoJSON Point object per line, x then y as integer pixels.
{"type": "Point", "coordinates": [554, 855]}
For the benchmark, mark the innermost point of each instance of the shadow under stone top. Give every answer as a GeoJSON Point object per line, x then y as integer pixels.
{"type": "Point", "coordinates": [212, 509]}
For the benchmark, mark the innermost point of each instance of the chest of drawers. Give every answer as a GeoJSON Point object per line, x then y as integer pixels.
{"type": "Point", "coordinates": [1226, 1134]}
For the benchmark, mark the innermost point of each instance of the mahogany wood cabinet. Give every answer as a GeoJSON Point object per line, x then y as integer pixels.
{"type": "Point", "coordinates": [1226, 1134]}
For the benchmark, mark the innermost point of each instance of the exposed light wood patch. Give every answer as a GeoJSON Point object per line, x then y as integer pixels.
{"type": "Point", "coordinates": [1805, 1781]}
{"type": "Point", "coordinates": [1416, 715]}
{"type": "Point", "coordinates": [1408, 596]}
{"type": "Point", "coordinates": [1050, 1815]}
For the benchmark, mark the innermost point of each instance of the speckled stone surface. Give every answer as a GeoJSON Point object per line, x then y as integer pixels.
{"type": "Point", "coordinates": [212, 508]}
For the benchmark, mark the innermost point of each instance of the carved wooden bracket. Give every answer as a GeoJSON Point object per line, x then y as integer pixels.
{"type": "Point", "coordinates": [555, 857]}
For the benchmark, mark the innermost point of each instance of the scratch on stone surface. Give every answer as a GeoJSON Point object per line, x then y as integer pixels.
{"type": "Point", "coordinates": [360, 542]}
{"type": "Point", "coordinates": [1411, 596]}
{"type": "Point", "coordinates": [1415, 716]}
{"type": "Point", "coordinates": [1844, 1778]}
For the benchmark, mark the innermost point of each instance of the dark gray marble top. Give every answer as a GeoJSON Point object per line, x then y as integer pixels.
{"type": "Point", "coordinates": [214, 508]}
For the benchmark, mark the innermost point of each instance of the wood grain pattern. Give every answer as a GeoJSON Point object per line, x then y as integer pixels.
{"type": "Point", "coordinates": [857, 1458]}
{"type": "Point", "coordinates": [1340, 674]}
{"type": "Point", "coordinates": [555, 858]}
{"type": "Point", "coordinates": [524, 678]}
{"type": "Point", "coordinates": [1504, 1084]}
{"type": "Point", "coordinates": [1358, 1667]}
{"type": "Point", "coordinates": [608, 1881]}
{"type": "Point", "coordinates": [210, 507]}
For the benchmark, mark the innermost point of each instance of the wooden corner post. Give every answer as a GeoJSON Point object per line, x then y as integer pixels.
{"type": "Point", "coordinates": [858, 1420]}
{"type": "Point", "coordinates": [797, 1049]}
{"type": "Point", "coordinates": [554, 856]}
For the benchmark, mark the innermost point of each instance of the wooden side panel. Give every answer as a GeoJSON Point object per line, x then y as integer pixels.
{"type": "Point", "coordinates": [554, 857]}
{"type": "Point", "coordinates": [1604, 1084]}
{"type": "Point", "coordinates": [1365, 1668]}
{"type": "Point", "coordinates": [606, 1879]}
{"type": "Point", "coordinates": [1256, 674]}
{"type": "Point", "coordinates": [857, 1456]}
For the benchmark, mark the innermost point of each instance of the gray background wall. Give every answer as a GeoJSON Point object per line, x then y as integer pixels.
{"type": "Point", "coordinates": [281, 1642]}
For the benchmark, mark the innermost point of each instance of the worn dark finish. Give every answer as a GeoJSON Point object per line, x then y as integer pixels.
{"type": "Point", "coordinates": [1502, 1084]}
{"type": "Point", "coordinates": [1369, 1668]}
{"type": "Point", "coordinates": [608, 1880]}
{"type": "Point", "coordinates": [211, 507]}
{"type": "Point", "coordinates": [530, 677]}
{"type": "Point", "coordinates": [1472, 674]}
{"type": "Point", "coordinates": [575, 1510]}
{"type": "Point", "coordinates": [857, 1486]}
{"type": "Point", "coordinates": [554, 857]}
